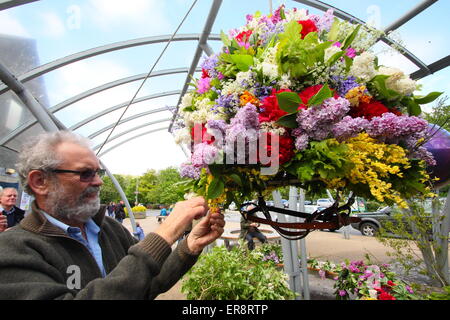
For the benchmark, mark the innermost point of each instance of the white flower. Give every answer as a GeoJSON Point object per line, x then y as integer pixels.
{"type": "Point", "coordinates": [296, 15]}
{"type": "Point", "coordinates": [363, 67]}
{"type": "Point", "coordinates": [398, 81]}
{"type": "Point", "coordinates": [285, 82]}
{"type": "Point", "coordinates": [182, 136]}
{"type": "Point", "coordinates": [329, 52]}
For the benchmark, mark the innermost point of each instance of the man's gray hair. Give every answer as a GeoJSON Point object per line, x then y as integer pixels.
{"type": "Point", "coordinates": [39, 153]}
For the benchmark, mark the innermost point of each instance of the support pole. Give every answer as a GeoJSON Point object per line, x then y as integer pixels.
{"type": "Point", "coordinates": [290, 256]}
{"type": "Point", "coordinates": [303, 252]}
{"type": "Point", "coordinates": [122, 195]}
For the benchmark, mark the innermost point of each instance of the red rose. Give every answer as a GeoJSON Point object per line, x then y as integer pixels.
{"type": "Point", "coordinates": [310, 92]}
{"type": "Point", "coordinates": [205, 74]}
{"type": "Point", "coordinates": [243, 37]}
{"type": "Point", "coordinates": [369, 110]}
{"type": "Point", "coordinates": [285, 148]}
{"type": "Point", "coordinates": [205, 136]}
{"type": "Point", "coordinates": [308, 26]}
{"type": "Point", "coordinates": [271, 109]}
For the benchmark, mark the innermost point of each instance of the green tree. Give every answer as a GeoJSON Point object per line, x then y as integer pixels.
{"type": "Point", "coordinates": [440, 114]}
{"type": "Point", "coordinates": [108, 191]}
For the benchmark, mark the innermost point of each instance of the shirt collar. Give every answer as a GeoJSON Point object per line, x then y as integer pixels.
{"type": "Point", "coordinates": [7, 211]}
{"type": "Point", "coordinates": [89, 225]}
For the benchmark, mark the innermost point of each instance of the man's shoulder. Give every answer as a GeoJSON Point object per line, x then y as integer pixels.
{"type": "Point", "coordinates": [19, 211]}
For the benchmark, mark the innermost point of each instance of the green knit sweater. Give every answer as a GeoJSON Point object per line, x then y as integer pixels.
{"type": "Point", "coordinates": [39, 261]}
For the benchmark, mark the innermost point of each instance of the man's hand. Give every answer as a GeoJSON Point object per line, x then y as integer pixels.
{"type": "Point", "coordinates": [3, 223]}
{"type": "Point", "coordinates": [206, 231]}
{"type": "Point", "coordinates": [181, 216]}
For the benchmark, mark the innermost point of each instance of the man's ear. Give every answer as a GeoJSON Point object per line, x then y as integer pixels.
{"type": "Point", "coordinates": [38, 182]}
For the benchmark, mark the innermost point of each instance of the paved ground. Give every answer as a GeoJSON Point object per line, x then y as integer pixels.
{"type": "Point", "coordinates": [322, 245]}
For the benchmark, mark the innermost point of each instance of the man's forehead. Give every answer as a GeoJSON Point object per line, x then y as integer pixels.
{"type": "Point", "coordinates": [7, 193]}
{"type": "Point", "coordinates": [71, 152]}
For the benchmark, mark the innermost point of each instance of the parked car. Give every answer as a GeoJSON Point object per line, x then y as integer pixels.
{"type": "Point", "coordinates": [325, 202]}
{"type": "Point", "coordinates": [371, 222]}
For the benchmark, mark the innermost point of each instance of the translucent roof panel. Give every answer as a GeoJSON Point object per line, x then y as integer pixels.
{"type": "Point", "coordinates": [90, 95]}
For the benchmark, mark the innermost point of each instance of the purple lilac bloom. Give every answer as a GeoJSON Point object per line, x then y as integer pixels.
{"type": "Point", "coordinates": [323, 22]}
{"type": "Point", "coordinates": [301, 142]}
{"type": "Point", "coordinates": [390, 128]}
{"type": "Point", "coordinates": [344, 85]}
{"type": "Point", "coordinates": [349, 127]}
{"type": "Point", "coordinates": [318, 122]}
{"type": "Point", "coordinates": [245, 126]}
{"type": "Point", "coordinates": [210, 64]}
{"type": "Point", "coordinates": [203, 154]}
{"type": "Point", "coordinates": [229, 102]}
{"type": "Point", "coordinates": [190, 171]}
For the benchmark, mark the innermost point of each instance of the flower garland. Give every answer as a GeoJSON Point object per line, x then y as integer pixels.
{"type": "Point", "coordinates": [297, 95]}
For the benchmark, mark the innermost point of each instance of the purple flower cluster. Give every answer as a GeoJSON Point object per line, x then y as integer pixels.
{"type": "Point", "coordinates": [344, 84]}
{"type": "Point", "coordinates": [323, 23]}
{"type": "Point", "coordinates": [317, 123]}
{"type": "Point", "coordinates": [190, 171]}
{"type": "Point", "coordinates": [203, 154]}
{"type": "Point", "coordinates": [243, 127]}
{"type": "Point", "coordinates": [210, 64]}
{"type": "Point", "coordinates": [390, 128]}
{"type": "Point", "coordinates": [229, 102]}
{"type": "Point", "coordinates": [349, 127]}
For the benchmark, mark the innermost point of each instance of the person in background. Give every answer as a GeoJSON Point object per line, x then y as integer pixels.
{"type": "Point", "coordinates": [162, 213]}
{"type": "Point", "coordinates": [119, 212]}
{"type": "Point", "coordinates": [139, 234]}
{"type": "Point", "coordinates": [111, 208]}
{"type": "Point", "coordinates": [67, 248]}
{"type": "Point", "coordinates": [10, 214]}
{"type": "Point", "coordinates": [249, 230]}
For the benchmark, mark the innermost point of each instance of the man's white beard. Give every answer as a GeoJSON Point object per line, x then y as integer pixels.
{"type": "Point", "coordinates": [64, 207]}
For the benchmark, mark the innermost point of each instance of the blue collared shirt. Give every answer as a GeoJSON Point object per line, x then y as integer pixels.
{"type": "Point", "coordinates": [92, 230]}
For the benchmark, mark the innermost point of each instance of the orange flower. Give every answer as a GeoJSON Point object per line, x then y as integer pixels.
{"type": "Point", "coordinates": [247, 97]}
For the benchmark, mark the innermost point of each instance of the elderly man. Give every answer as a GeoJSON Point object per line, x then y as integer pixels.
{"type": "Point", "coordinates": [66, 248]}
{"type": "Point", "coordinates": [10, 214]}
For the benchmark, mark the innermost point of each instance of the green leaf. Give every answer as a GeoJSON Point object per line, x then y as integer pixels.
{"type": "Point", "coordinates": [321, 96]}
{"type": "Point", "coordinates": [334, 31]}
{"type": "Point", "coordinates": [282, 14]}
{"type": "Point", "coordinates": [236, 178]}
{"type": "Point", "coordinates": [413, 107]}
{"type": "Point", "coordinates": [226, 41]}
{"type": "Point", "coordinates": [288, 121]}
{"type": "Point", "coordinates": [215, 188]}
{"type": "Point", "coordinates": [242, 61]}
{"type": "Point", "coordinates": [288, 101]}
{"type": "Point", "coordinates": [335, 57]}
{"type": "Point", "coordinates": [429, 98]}
{"type": "Point", "coordinates": [348, 41]}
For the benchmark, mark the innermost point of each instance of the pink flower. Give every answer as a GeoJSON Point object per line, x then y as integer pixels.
{"type": "Point", "coordinates": [204, 84]}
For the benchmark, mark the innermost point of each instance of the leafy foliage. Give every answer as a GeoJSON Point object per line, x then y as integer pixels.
{"type": "Point", "coordinates": [238, 274]}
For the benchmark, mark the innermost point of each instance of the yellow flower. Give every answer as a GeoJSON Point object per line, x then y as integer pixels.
{"type": "Point", "coordinates": [357, 95]}
{"type": "Point", "coordinates": [247, 97]}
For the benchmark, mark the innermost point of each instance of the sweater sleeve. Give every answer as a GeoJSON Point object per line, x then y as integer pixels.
{"type": "Point", "coordinates": [31, 268]}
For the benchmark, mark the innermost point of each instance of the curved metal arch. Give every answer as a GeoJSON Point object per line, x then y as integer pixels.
{"type": "Point", "coordinates": [123, 105]}
{"type": "Point", "coordinates": [104, 129]}
{"type": "Point", "coordinates": [43, 69]}
{"type": "Point", "coordinates": [132, 138]}
{"type": "Point", "coordinates": [7, 4]}
{"type": "Point", "coordinates": [89, 93]}
{"type": "Point", "coordinates": [348, 17]}
{"type": "Point", "coordinates": [131, 130]}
